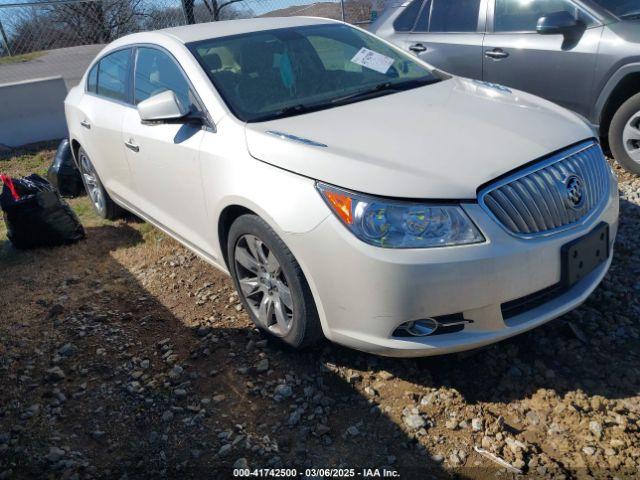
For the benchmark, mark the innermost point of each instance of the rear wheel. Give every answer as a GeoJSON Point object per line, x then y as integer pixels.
{"type": "Point", "coordinates": [271, 284]}
{"type": "Point", "coordinates": [624, 135]}
{"type": "Point", "coordinates": [102, 203]}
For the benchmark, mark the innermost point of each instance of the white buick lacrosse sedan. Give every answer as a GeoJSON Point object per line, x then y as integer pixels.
{"type": "Point", "coordinates": [350, 190]}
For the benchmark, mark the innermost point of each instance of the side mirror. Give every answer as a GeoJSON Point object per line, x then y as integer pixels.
{"type": "Point", "coordinates": [556, 23]}
{"type": "Point", "coordinates": [163, 107]}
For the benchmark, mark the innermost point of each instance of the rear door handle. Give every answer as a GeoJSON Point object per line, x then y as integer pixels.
{"type": "Point", "coordinates": [132, 146]}
{"type": "Point", "coordinates": [496, 53]}
{"type": "Point", "coordinates": [85, 124]}
{"type": "Point", "coordinates": [418, 47]}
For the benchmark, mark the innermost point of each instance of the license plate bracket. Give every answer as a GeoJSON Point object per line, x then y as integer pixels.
{"type": "Point", "coordinates": [583, 255]}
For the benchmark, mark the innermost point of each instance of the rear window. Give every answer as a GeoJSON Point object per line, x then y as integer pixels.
{"type": "Point", "coordinates": [406, 20]}
{"type": "Point", "coordinates": [92, 80]}
{"type": "Point", "coordinates": [454, 16]}
{"type": "Point", "coordinates": [113, 75]}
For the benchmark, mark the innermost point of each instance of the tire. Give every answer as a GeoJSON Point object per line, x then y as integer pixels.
{"type": "Point", "coordinates": [100, 199]}
{"type": "Point", "coordinates": [624, 134]}
{"type": "Point", "coordinates": [271, 284]}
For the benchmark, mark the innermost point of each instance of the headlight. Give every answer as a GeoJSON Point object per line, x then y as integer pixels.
{"type": "Point", "coordinates": [400, 224]}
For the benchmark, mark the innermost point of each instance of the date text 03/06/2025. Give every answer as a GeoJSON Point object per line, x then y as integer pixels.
{"type": "Point", "coordinates": [316, 473]}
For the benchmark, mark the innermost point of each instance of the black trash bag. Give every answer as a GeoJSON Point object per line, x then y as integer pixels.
{"type": "Point", "coordinates": [63, 174]}
{"type": "Point", "coordinates": [36, 215]}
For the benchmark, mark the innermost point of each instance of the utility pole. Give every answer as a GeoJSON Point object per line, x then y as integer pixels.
{"type": "Point", "coordinates": [342, 8]}
{"type": "Point", "coordinates": [5, 40]}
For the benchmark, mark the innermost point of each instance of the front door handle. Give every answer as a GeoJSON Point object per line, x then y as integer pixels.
{"type": "Point", "coordinates": [496, 53]}
{"type": "Point", "coordinates": [132, 146]}
{"type": "Point", "coordinates": [418, 47]}
{"type": "Point", "coordinates": [85, 124]}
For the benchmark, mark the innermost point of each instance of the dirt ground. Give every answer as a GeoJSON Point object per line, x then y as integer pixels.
{"type": "Point", "coordinates": [126, 356]}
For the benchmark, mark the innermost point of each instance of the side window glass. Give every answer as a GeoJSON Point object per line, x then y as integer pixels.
{"type": "Point", "coordinates": [113, 74]}
{"type": "Point", "coordinates": [155, 73]}
{"type": "Point", "coordinates": [92, 79]}
{"type": "Point", "coordinates": [518, 16]}
{"type": "Point", "coordinates": [454, 16]}
{"type": "Point", "coordinates": [407, 19]}
{"type": "Point", "coordinates": [422, 25]}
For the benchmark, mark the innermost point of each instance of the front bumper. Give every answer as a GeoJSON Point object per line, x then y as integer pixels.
{"type": "Point", "coordinates": [363, 293]}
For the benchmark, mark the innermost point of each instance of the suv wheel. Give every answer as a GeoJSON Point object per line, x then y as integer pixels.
{"type": "Point", "coordinates": [624, 135]}
{"type": "Point", "coordinates": [102, 203]}
{"type": "Point", "coordinates": [271, 284]}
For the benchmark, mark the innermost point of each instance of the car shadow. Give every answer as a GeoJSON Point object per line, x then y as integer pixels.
{"type": "Point", "coordinates": [593, 349]}
{"type": "Point", "coordinates": [126, 358]}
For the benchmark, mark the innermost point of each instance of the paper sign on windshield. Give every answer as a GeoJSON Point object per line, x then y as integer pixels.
{"type": "Point", "coordinates": [373, 60]}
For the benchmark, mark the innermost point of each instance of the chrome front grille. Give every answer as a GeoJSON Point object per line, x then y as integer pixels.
{"type": "Point", "coordinates": [550, 195]}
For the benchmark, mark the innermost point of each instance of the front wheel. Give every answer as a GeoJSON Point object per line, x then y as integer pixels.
{"type": "Point", "coordinates": [102, 203]}
{"type": "Point", "coordinates": [624, 135]}
{"type": "Point", "coordinates": [271, 284]}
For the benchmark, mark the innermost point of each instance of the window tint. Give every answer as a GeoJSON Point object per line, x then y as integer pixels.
{"type": "Point", "coordinates": [422, 25]}
{"type": "Point", "coordinates": [156, 72]}
{"type": "Point", "coordinates": [267, 74]}
{"type": "Point", "coordinates": [454, 16]}
{"type": "Point", "coordinates": [406, 19]}
{"type": "Point", "coordinates": [113, 73]}
{"type": "Point", "coordinates": [92, 80]}
{"type": "Point", "coordinates": [519, 16]}
{"type": "Point", "coordinates": [621, 8]}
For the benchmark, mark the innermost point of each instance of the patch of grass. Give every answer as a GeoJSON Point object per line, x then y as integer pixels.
{"type": "Point", "coordinates": [36, 159]}
{"type": "Point", "coordinates": [25, 57]}
{"type": "Point", "coordinates": [25, 161]}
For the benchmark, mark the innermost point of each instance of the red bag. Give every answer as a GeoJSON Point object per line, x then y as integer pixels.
{"type": "Point", "coordinates": [6, 179]}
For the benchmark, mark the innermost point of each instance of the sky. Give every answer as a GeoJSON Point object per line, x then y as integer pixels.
{"type": "Point", "coordinates": [258, 5]}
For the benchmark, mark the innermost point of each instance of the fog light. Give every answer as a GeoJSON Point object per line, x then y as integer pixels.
{"type": "Point", "coordinates": [418, 328]}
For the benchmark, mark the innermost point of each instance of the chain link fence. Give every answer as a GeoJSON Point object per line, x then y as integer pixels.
{"type": "Point", "coordinates": [28, 30]}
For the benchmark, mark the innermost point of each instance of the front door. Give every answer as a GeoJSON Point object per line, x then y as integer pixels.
{"type": "Point", "coordinates": [165, 157]}
{"type": "Point", "coordinates": [554, 67]}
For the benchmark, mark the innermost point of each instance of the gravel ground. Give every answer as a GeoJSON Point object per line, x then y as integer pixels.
{"type": "Point", "coordinates": [125, 356]}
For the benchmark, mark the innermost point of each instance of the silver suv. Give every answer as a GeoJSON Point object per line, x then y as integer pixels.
{"type": "Point", "coordinates": [581, 54]}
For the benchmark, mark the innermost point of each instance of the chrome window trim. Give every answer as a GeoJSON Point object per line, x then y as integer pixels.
{"type": "Point", "coordinates": [537, 166]}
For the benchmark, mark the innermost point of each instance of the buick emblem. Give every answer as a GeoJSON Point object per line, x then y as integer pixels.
{"type": "Point", "coordinates": [574, 191]}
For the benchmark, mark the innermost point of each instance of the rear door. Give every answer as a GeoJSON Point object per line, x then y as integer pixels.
{"type": "Point", "coordinates": [165, 157]}
{"type": "Point", "coordinates": [448, 34]}
{"type": "Point", "coordinates": [551, 66]}
{"type": "Point", "coordinates": [103, 109]}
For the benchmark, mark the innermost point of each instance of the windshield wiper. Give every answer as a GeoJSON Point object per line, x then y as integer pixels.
{"type": "Point", "coordinates": [289, 111]}
{"type": "Point", "coordinates": [630, 16]}
{"type": "Point", "coordinates": [378, 89]}
{"type": "Point", "coordinates": [386, 87]}
{"type": "Point", "coordinates": [294, 109]}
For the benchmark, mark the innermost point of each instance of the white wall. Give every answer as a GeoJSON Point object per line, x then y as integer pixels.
{"type": "Point", "coordinates": [32, 111]}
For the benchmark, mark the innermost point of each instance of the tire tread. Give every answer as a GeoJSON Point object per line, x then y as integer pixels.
{"type": "Point", "coordinates": [311, 329]}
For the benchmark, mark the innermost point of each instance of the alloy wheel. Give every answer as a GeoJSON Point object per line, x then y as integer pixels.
{"type": "Point", "coordinates": [92, 183]}
{"type": "Point", "coordinates": [631, 137]}
{"type": "Point", "coordinates": [264, 285]}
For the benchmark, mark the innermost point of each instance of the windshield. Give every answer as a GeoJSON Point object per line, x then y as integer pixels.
{"type": "Point", "coordinates": [621, 8]}
{"type": "Point", "coordinates": [284, 72]}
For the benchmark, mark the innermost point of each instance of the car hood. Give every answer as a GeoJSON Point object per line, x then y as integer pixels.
{"type": "Point", "coordinates": [440, 141]}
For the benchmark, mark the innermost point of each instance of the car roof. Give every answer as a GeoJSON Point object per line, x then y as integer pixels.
{"type": "Point", "coordinates": [224, 28]}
